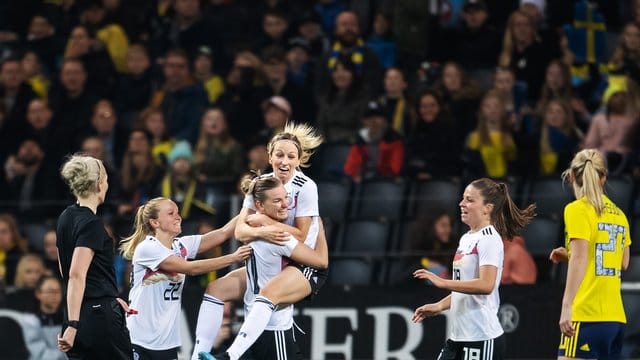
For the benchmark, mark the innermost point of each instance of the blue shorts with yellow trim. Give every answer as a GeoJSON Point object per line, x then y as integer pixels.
{"type": "Point", "coordinates": [593, 340]}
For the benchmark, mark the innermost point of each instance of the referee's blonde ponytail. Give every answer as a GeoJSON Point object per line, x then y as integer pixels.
{"type": "Point", "coordinates": [586, 174]}
{"type": "Point", "coordinates": [142, 226]}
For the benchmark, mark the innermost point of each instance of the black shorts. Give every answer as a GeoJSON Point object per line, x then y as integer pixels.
{"type": "Point", "coordinates": [316, 278]}
{"type": "Point", "coordinates": [492, 349]}
{"type": "Point", "coordinates": [102, 333]}
{"type": "Point", "coordinates": [276, 345]}
{"type": "Point", "coordinates": [140, 353]}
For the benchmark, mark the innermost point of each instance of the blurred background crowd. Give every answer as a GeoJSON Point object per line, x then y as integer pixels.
{"type": "Point", "coordinates": [413, 98]}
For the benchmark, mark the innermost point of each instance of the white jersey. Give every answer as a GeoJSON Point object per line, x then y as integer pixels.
{"type": "Point", "coordinates": [156, 294]}
{"type": "Point", "coordinates": [475, 317]}
{"type": "Point", "coordinates": [263, 265]}
{"type": "Point", "coordinates": [303, 201]}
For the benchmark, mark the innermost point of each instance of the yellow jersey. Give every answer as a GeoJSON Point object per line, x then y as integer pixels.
{"type": "Point", "coordinates": [598, 297]}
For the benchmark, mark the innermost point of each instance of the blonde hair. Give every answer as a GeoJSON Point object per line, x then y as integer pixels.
{"type": "Point", "coordinates": [483, 122]}
{"type": "Point", "coordinates": [585, 173]}
{"type": "Point", "coordinates": [304, 137]}
{"type": "Point", "coordinates": [256, 185]}
{"type": "Point", "coordinates": [14, 231]}
{"type": "Point", "coordinates": [19, 281]}
{"type": "Point", "coordinates": [508, 42]}
{"type": "Point", "coordinates": [142, 226]}
{"type": "Point", "coordinates": [569, 127]}
{"type": "Point", "coordinates": [83, 174]}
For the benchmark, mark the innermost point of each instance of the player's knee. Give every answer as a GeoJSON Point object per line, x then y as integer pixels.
{"type": "Point", "coordinates": [271, 294]}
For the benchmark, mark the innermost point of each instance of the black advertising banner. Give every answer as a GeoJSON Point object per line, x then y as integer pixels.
{"type": "Point", "coordinates": [375, 322]}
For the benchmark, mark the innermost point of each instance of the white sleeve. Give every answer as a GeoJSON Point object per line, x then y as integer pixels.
{"type": "Point", "coordinates": [308, 200]}
{"type": "Point", "coordinates": [287, 248]}
{"type": "Point", "coordinates": [491, 251]}
{"type": "Point", "coordinates": [150, 253]}
{"type": "Point", "coordinates": [191, 243]}
{"type": "Point", "coordinates": [248, 202]}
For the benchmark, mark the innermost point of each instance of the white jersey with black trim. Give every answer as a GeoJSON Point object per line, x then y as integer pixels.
{"type": "Point", "coordinates": [263, 265]}
{"type": "Point", "coordinates": [303, 201]}
{"type": "Point", "coordinates": [156, 294]}
{"type": "Point", "coordinates": [475, 317]}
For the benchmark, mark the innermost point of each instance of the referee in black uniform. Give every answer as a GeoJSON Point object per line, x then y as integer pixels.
{"type": "Point", "coordinates": [94, 322]}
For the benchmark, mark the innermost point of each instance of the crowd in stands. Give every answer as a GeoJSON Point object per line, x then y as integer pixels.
{"type": "Point", "coordinates": [179, 97]}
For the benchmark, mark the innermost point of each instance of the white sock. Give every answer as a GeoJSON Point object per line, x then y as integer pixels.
{"type": "Point", "coordinates": [209, 321]}
{"type": "Point", "coordinates": [253, 326]}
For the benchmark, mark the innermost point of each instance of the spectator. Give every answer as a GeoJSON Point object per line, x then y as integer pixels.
{"type": "Point", "coordinates": [49, 295]}
{"type": "Point", "coordinates": [152, 120]}
{"type": "Point", "coordinates": [560, 138]}
{"type": "Point", "coordinates": [101, 73]}
{"type": "Point", "coordinates": [394, 101]}
{"type": "Point", "coordinates": [111, 35]}
{"type": "Point", "coordinates": [258, 156]}
{"type": "Point", "coordinates": [514, 95]}
{"type": "Point", "coordinates": [135, 87]}
{"type": "Point", "coordinates": [275, 26]}
{"type": "Point", "coordinates": [21, 296]}
{"type": "Point", "coordinates": [43, 40]}
{"type": "Point", "coordinates": [309, 28]}
{"type": "Point", "coordinates": [219, 158]}
{"type": "Point", "coordinates": [41, 127]}
{"type": "Point", "coordinates": [490, 148]}
{"type": "Point", "coordinates": [461, 95]}
{"type": "Point", "coordinates": [34, 75]}
{"type": "Point", "coordinates": [246, 90]}
{"type": "Point", "coordinates": [32, 182]}
{"type": "Point", "coordinates": [381, 40]}
{"type": "Point", "coordinates": [348, 43]}
{"type": "Point", "coordinates": [300, 65]}
{"type": "Point", "coordinates": [50, 252]}
{"type": "Point", "coordinates": [378, 152]}
{"type": "Point", "coordinates": [277, 112]}
{"type": "Point", "coordinates": [104, 124]}
{"type": "Point", "coordinates": [181, 186]}
{"type": "Point", "coordinates": [523, 52]}
{"type": "Point", "coordinates": [430, 149]}
{"type": "Point", "coordinates": [182, 101]}
{"type": "Point", "coordinates": [274, 65]}
{"type": "Point", "coordinates": [203, 71]}
{"type": "Point", "coordinates": [477, 42]}
{"type": "Point", "coordinates": [519, 267]}
{"type": "Point", "coordinates": [16, 94]}
{"type": "Point", "coordinates": [612, 131]}
{"type": "Point", "coordinates": [12, 247]}
{"type": "Point", "coordinates": [72, 103]}
{"type": "Point", "coordinates": [95, 147]}
{"type": "Point", "coordinates": [626, 56]}
{"type": "Point", "coordinates": [340, 108]}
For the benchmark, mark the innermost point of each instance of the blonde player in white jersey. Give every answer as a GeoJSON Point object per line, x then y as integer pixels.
{"type": "Point", "coordinates": [159, 261]}
{"type": "Point", "coordinates": [476, 333]}
{"type": "Point", "coordinates": [288, 151]}
{"type": "Point", "coordinates": [277, 341]}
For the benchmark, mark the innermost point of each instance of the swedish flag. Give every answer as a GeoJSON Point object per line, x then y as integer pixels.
{"type": "Point", "coordinates": [587, 34]}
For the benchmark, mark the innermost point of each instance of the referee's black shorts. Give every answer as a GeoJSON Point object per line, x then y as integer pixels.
{"type": "Point", "coordinates": [102, 333]}
{"type": "Point", "coordinates": [276, 345]}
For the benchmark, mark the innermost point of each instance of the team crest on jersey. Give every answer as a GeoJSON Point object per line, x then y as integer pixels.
{"type": "Point", "coordinates": [293, 199]}
{"type": "Point", "coordinates": [152, 277]}
{"type": "Point", "coordinates": [183, 250]}
{"type": "Point", "coordinates": [461, 253]}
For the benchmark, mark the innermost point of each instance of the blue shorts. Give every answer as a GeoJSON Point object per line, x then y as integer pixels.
{"type": "Point", "coordinates": [593, 340]}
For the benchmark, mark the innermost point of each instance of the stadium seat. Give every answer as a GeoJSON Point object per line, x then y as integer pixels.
{"type": "Point", "coordinates": [334, 199]}
{"type": "Point", "coordinates": [632, 273]}
{"type": "Point", "coordinates": [351, 272]}
{"type": "Point", "coordinates": [435, 194]}
{"type": "Point", "coordinates": [631, 301]}
{"type": "Point", "coordinates": [541, 236]}
{"type": "Point", "coordinates": [380, 199]}
{"type": "Point", "coordinates": [620, 191]}
{"type": "Point", "coordinates": [330, 161]}
{"type": "Point", "coordinates": [366, 237]}
{"type": "Point", "coordinates": [550, 196]}
{"type": "Point", "coordinates": [635, 231]}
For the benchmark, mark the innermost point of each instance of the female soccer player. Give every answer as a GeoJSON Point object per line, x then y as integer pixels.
{"type": "Point", "coordinates": [288, 151]}
{"type": "Point", "coordinates": [597, 239]}
{"type": "Point", "coordinates": [159, 262]}
{"type": "Point", "coordinates": [475, 331]}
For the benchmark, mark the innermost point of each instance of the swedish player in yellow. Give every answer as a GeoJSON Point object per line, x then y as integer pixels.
{"type": "Point", "coordinates": [597, 236]}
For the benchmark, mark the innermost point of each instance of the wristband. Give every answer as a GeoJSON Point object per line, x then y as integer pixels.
{"type": "Point", "coordinates": [73, 323]}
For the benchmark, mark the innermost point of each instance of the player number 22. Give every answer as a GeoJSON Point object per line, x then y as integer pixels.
{"type": "Point", "coordinates": [171, 293]}
{"type": "Point", "coordinates": [612, 231]}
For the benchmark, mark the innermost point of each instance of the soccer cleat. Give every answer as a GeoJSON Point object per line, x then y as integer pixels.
{"type": "Point", "coordinates": [207, 356]}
